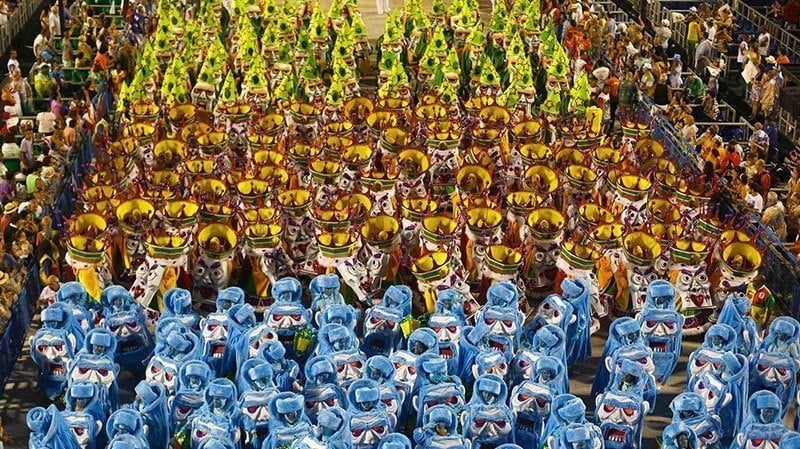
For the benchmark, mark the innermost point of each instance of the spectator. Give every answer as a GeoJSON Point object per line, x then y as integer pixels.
{"type": "Point", "coordinates": [13, 63]}
{"type": "Point", "coordinates": [762, 177]}
{"type": "Point", "coordinates": [771, 130]}
{"type": "Point", "coordinates": [676, 70]}
{"type": "Point", "coordinates": [782, 59]}
{"type": "Point", "coordinates": [693, 33]}
{"type": "Point", "coordinates": [627, 92]}
{"type": "Point", "coordinates": [763, 42]}
{"type": "Point", "coordinates": [774, 216]}
{"type": "Point", "coordinates": [49, 292]}
{"type": "Point", "coordinates": [744, 49]}
{"type": "Point", "coordinates": [759, 141]}
{"type": "Point", "coordinates": [695, 89]}
{"type": "Point", "coordinates": [41, 46]}
{"type": "Point", "coordinates": [735, 153]}
{"type": "Point", "coordinates": [754, 199]}
{"type": "Point", "coordinates": [27, 162]}
{"type": "Point", "coordinates": [791, 12]}
{"type": "Point", "coordinates": [47, 122]}
{"type": "Point", "coordinates": [702, 54]}
{"type": "Point", "coordinates": [770, 93]}
{"type": "Point", "coordinates": [689, 131]}
{"type": "Point", "coordinates": [756, 93]}
{"type": "Point", "coordinates": [54, 22]}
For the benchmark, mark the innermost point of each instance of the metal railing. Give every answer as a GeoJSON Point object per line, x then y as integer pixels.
{"type": "Point", "coordinates": [16, 20]}
{"type": "Point", "coordinates": [784, 38]}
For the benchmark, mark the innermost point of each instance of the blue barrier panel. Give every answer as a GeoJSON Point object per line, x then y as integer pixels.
{"type": "Point", "coordinates": [17, 329]}
{"type": "Point", "coordinates": [779, 267]}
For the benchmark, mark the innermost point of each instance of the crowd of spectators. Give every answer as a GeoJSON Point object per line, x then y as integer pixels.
{"type": "Point", "coordinates": [46, 112]}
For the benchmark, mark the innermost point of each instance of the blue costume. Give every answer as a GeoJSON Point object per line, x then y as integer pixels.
{"type": "Point", "coordinates": [126, 320]}
{"type": "Point", "coordinates": [333, 338]}
{"type": "Point", "coordinates": [531, 404]}
{"type": "Point", "coordinates": [256, 389]}
{"type": "Point", "coordinates": [128, 424]}
{"type": "Point", "coordinates": [229, 297]}
{"type": "Point", "coordinates": [324, 292]}
{"type": "Point", "coordinates": [382, 334]}
{"type": "Point", "coordinates": [620, 416]}
{"type": "Point", "coordinates": [790, 440]}
{"type": "Point", "coordinates": [763, 422]}
{"type": "Point", "coordinates": [622, 331]}
{"type": "Point", "coordinates": [251, 341]}
{"type": "Point", "coordinates": [369, 420]}
{"type": "Point", "coordinates": [343, 314]}
{"type": "Point", "coordinates": [218, 349]}
{"type": "Point", "coordinates": [579, 345]}
{"type": "Point", "coordinates": [172, 350]}
{"type": "Point", "coordinates": [487, 419]}
{"type": "Point", "coordinates": [578, 436]}
{"type": "Point", "coordinates": [178, 303]}
{"type": "Point", "coordinates": [398, 297]}
{"type": "Point", "coordinates": [95, 363]}
{"type": "Point", "coordinates": [448, 331]}
{"type": "Point", "coordinates": [690, 409]}
{"type": "Point", "coordinates": [565, 409]}
{"type": "Point", "coordinates": [490, 362]}
{"type": "Point", "coordinates": [783, 338]}
{"type": "Point", "coordinates": [49, 430]}
{"type": "Point", "coordinates": [287, 315]}
{"type": "Point", "coordinates": [449, 301]}
{"type": "Point", "coordinates": [74, 294]}
{"type": "Point", "coordinates": [556, 311]}
{"type": "Point", "coordinates": [551, 373]}
{"type": "Point", "coordinates": [285, 371]}
{"type": "Point", "coordinates": [678, 436]}
{"type": "Point", "coordinates": [333, 428]}
{"type": "Point", "coordinates": [735, 313]}
{"type": "Point", "coordinates": [321, 390]}
{"type": "Point", "coordinates": [84, 397]}
{"type": "Point", "coordinates": [287, 421]}
{"type": "Point", "coordinates": [439, 430]}
{"type": "Point", "coordinates": [193, 378]}
{"type": "Point", "coordinates": [661, 327]}
{"type": "Point", "coordinates": [151, 403]}
{"type": "Point", "coordinates": [719, 338]}
{"type": "Point", "coordinates": [775, 372]}
{"type": "Point", "coordinates": [52, 349]}
{"type": "Point", "coordinates": [85, 429]}
{"type": "Point", "coordinates": [435, 386]}
{"type": "Point", "coordinates": [642, 355]}
{"type": "Point", "coordinates": [395, 441]}
{"type": "Point", "coordinates": [218, 417]}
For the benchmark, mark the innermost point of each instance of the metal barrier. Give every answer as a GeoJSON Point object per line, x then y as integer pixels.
{"type": "Point", "coordinates": [784, 38]}
{"type": "Point", "coordinates": [16, 20]}
{"type": "Point", "coordinates": [780, 267]}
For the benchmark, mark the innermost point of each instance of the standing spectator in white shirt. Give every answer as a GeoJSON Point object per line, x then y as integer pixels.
{"type": "Point", "coordinates": [47, 122]}
{"type": "Point", "coordinates": [54, 21]}
{"type": "Point", "coordinates": [744, 48]}
{"type": "Point", "coordinates": [763, 42]}
{"type": "Point", "coordinates": [664, 34]}
{"type": "Point", "coordinates": [13, 63]}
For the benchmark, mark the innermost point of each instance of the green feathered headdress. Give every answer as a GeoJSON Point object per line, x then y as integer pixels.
{"type": "Point", "coordinates": [476, 38]}
{"type": "Point", "coordinates": [310, 71]}
{"type": "Point", "coordinates": [392, 32]}
{"type": "Point", "coordinates": [437, 8]}
{"type": "Point", "coordinates": [359, 29]}
{"type": "Point", "coordinates": [438, 41]}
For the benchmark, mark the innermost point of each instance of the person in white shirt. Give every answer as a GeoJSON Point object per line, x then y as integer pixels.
{"type": "Point", "coordinates": [54, 21]}
{"type": "Point", "coordinates": [47, 122]}
{"type": "Point", "coordinates": [13, 63]}
{"type": "Point", "coordinates": [664, 33]}
{"type": "Point", "coordinates": [763, 42]}
{"type": "Point", "coordinates": [41, 43]}
{"type": "Point", "coordinates": [744, 48]}
{"type": "Point", "coordinates": [753, 198]}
